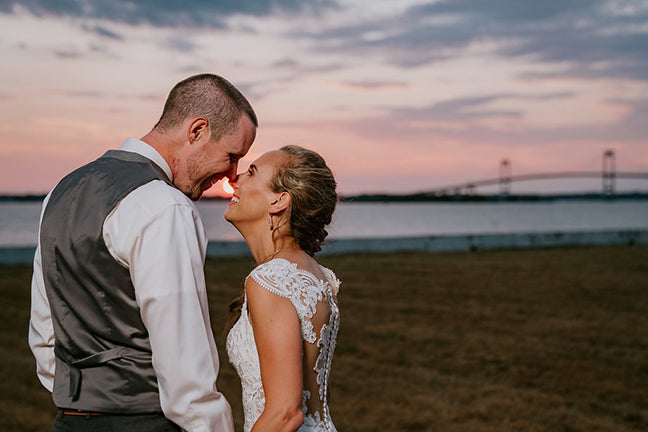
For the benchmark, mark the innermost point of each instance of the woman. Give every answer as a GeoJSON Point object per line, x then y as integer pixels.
{"type": "Point", "coordinates": [284, 326]}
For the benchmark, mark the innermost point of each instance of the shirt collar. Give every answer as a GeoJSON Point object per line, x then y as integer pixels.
{"type": "Point", "coordinates": [140, 147]}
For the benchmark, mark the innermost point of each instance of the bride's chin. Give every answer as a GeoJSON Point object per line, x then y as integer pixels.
{"type": "Point", "coordinates": [232, 220]}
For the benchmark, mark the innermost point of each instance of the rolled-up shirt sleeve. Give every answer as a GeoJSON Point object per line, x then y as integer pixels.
{"type": "Point", "coordinates": [165, 254]}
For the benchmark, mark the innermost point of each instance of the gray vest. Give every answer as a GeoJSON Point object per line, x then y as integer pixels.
{"type": "Point", "coordinates": [103, 354]}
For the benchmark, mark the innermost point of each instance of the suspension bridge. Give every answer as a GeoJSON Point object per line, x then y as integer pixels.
{"type": "Point", "coordinates": [504, 181]}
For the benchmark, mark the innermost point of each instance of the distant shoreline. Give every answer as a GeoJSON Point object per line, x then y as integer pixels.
{"type": "Point", "coordinates": [428, 197]}
{"type": "Point", "coordinates": [424, 197]}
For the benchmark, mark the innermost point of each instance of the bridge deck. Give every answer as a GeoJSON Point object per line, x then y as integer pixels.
{"type": "Point", "coordinates": [543, 176]}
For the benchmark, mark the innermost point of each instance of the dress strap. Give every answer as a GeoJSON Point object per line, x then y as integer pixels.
{"type": "Point", "coordinates": [332, 280]}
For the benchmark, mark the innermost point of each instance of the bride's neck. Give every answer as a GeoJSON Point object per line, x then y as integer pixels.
{"type": "Point", "coordinates": [266, 245]}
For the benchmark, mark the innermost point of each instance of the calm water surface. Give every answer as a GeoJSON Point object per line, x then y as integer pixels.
{"type": "Point", "coordinates": [19, 221]}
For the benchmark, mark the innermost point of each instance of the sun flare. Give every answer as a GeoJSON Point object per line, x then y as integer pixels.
{"type": "Point", "coordinates": [227, 187]}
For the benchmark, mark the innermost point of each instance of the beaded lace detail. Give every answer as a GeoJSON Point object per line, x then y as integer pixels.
{"type": "Point", "coordinates": [305, 292]}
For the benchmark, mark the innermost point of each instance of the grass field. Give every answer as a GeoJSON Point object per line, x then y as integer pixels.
{"type": "Point", "coordinates": [537, 340]}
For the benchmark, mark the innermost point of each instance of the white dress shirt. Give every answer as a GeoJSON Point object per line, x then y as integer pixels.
{"type": "Point", "coordinates": [157, 233]}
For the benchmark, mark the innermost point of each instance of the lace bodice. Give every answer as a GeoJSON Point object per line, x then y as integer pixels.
{"type": "Point", "coordinates": [316, 305]}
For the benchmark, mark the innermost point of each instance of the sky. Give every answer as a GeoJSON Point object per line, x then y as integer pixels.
{"type": "Point", "coordinates": [399, 96]}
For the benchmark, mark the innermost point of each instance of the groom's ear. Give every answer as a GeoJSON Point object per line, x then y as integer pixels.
{"type": "Point", "coordinates": [280, 203]}
{"type": "Point", "coordinates": [198, 129]}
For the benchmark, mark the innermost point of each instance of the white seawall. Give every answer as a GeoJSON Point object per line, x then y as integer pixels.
{"type": "Point", "coordinates": [441, 243]}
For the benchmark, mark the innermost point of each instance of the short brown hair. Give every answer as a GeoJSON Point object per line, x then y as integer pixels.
{"type": "Point", "coordinates": [209, 96]}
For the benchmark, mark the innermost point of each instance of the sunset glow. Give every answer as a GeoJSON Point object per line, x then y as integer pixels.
{"type": "Point", "coordinates": [398, 97]}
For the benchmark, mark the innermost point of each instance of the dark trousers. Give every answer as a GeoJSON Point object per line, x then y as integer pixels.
{"type": "Point", "coordinates": [114, 423]}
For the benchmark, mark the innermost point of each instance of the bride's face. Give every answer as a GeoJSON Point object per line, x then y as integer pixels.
{"type": "Point", "coordinates": [252, 196]}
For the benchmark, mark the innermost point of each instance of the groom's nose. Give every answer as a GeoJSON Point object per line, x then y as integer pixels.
{"type": "Point", "coordinates": [231, 173]}
{"type": "Point", "coordinates": [233, 179]}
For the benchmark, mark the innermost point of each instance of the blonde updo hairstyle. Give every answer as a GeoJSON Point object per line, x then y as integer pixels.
{"type": "Point", "coordinates": [311, 185]}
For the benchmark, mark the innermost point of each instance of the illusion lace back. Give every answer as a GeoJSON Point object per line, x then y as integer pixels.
{"type": "Point", "coordinates": [316, 305]}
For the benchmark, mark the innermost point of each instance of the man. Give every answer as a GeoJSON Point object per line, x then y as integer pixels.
{"type": "Point", "coordinates": [119, 323]}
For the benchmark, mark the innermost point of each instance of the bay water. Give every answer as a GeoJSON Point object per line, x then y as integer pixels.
{"type": "Point", "coordinates": [19, 220]}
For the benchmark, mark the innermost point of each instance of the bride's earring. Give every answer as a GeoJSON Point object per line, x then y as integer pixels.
{"type": "Point", "coordinates": [270, 222]}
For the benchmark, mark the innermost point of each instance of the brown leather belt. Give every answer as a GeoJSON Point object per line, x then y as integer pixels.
{"type": "Point", "coordinates": [78, 412]}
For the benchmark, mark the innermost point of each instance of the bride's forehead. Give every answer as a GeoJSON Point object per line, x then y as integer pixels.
{"type": "Point", "coordinates": [271, 158]}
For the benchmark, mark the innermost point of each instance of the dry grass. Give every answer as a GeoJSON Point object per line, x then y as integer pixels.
{"type": "Point", "coordinates": [539, 340]}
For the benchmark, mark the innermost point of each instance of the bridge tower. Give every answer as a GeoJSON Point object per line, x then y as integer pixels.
{"type": "Point", "coordinates": [608, 173]}
{"type": "Point", "coordinates": [505, 177]}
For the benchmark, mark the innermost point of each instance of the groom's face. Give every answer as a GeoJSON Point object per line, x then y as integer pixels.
{"type": "Point", "coordinates": [203, 165]}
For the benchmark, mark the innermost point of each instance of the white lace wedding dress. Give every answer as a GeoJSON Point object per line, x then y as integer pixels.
{"type": "Point", "coordinates": [316, 305]}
